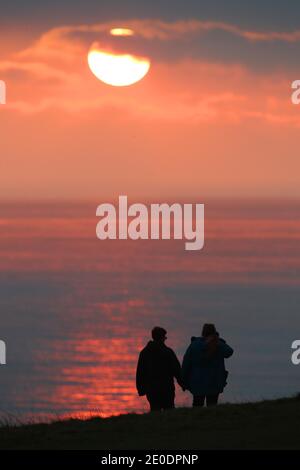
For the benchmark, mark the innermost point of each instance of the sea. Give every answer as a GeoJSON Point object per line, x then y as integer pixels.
{"type": "Point", "coordinates": [75, 311]}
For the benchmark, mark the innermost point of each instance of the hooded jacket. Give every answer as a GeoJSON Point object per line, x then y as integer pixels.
{"type": "Point", "coordinates": [156, 369]}
{"type": "Point", "coordinates": [203, 369]}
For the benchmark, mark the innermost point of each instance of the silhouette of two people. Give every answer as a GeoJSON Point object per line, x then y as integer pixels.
{"type": "Point", "coordinates": [203, 370]}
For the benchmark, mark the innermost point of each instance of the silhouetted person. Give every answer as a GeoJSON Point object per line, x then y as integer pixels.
{"type": "Point", "coordinates": [203, 366]}
{"type": "Point", "coordinates": [156, 369]}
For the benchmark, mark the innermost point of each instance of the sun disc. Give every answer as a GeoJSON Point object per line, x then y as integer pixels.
{"type": "Point", "coordinates": [117, 69]}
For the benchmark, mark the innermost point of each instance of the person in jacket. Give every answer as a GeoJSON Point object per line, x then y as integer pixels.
{"type": "Point", "coordinates": [203, 367]}
{"type": "Point", "coordinates": [156, 369]}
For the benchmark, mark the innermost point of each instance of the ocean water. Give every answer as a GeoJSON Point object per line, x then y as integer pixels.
{"type": "Point", "coordinates": [75, 311]}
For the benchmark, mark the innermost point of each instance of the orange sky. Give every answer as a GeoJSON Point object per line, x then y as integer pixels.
{"type": "Point", "coordinates": [196, 125]}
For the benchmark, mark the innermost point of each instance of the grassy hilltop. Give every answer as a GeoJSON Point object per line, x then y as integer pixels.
{"type": "Point", "coordinates": [264, 425]}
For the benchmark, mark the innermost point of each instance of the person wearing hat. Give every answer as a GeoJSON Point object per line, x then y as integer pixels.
{"type": "Point", "coordinates": [203, 367]}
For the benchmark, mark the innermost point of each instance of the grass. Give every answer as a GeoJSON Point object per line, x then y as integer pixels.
{"type": "Point", "coordinates": [270, 424]}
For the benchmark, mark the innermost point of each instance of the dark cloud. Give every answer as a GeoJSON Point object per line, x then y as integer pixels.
{"type": "Point", "coordinates": [280, 15]}
{"type": "Point", "coordinates": [215, 46]}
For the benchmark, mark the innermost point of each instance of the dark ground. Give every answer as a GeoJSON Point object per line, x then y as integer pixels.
{"type": "Point", "coordinates": [263, 425]}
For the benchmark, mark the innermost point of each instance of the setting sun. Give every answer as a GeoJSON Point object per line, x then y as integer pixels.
{"type": "Point", "coordinates": [117, 69]}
